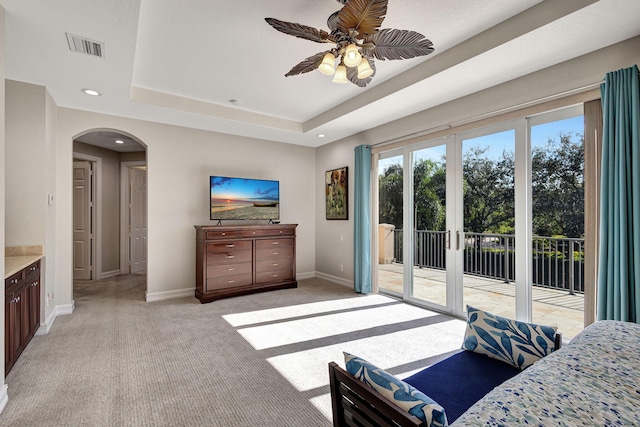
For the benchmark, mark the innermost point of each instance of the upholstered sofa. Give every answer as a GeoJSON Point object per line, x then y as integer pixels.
{"type": "Point", "coordinates": [594, 380]}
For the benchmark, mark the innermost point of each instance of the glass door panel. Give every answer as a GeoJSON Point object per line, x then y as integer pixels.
{"type": "Point", "coordinates": [430, 236]}
{"type": "Point", "coordinates": [489, 222]}
{"type": "Point", "coordinates": [557, 170]}
{"type": "Point", "coordinates": [390, 224]}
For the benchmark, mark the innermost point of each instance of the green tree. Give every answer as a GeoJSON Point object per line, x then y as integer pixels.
{"type": "Point", "coordinates": [488, 188]}
{"type": "Point", "coordinates": [558, 187]}
{"type": "Point", "coordinates": [390, 196]}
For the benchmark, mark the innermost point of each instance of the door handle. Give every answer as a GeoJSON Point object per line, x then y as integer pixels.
{"type": "Point", "coordinates": [447, 241]}
{"type": "Point", "coordinates": [457, 240]}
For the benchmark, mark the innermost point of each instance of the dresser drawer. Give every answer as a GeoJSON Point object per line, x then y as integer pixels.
{"type": "Point", "coordinates": [274, 243]}
{"type": "Point", "coordinates": [229, 282]}
{"type": "Point", "coordinates": [274, 276]}
{"type": "Point", "coordinates": [216, 271]}
{"type": "Point", "coordinates": [285, 264]}
{"type": "Point", "coordinates": [274, 253]}
{"type": "Point", "coordinates": [229, 246]}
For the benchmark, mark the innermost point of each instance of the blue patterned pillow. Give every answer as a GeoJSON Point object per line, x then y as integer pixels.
{"type": "Point", "coordinates": [517, 343]}
{"type": "Point", "coordinates": [402, 394]}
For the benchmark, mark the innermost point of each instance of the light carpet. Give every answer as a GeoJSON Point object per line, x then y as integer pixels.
{"type": "Point", "coordinates": [255, 360]}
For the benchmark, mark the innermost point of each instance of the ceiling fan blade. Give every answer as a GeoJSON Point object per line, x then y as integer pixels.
{"type": "Point", "coordinates": [365, 16]}
{"type": "Point", "coordinates": [300, 31]}
{"type": "Point", "coordinates": [309, 64]}
{"type": "Point", "coordinates": [397, 44]}
{"type": "Point", "coordinates": [352, 74]}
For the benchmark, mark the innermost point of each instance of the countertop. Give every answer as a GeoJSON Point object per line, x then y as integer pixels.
{"type": "Point", "coordinates": [18, 257]}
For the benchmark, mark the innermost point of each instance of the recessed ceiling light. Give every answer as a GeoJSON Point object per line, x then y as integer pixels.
{"type": "Point", "coordinates": [91, 92]}
{"type": "Point", "coordinates": [321, 135]}
{"type": "Point", "coordinates": [119, 141]}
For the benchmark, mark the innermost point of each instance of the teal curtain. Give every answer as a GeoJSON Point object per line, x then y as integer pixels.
{"type": "Point", "coordinates": [619, 263]}
{"type": "Point", "coordinates": [362, 220]}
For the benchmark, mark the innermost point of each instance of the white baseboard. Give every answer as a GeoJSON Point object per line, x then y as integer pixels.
{"type": "Point", "coordinates": [335, 279]}
{"type": "Point", "coordinates": [109, 274]}
{"type": "Point", "coordinates": [4, 397]}
{"type": "Point", "coordinates": [162, 296]}
{"type": "Point", "coordinates": [303, 276]}
{"type": "Point", "coordinates": [45, 326]}
{"type": "Point", "coordinates": [65, 309]}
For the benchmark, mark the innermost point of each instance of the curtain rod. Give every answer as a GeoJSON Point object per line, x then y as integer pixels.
{"type": "Point", "coordinates": [485, 115]}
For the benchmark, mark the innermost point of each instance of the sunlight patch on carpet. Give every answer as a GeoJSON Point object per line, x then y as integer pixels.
{"type": "Point", "coordinates": [308, 369]}
{"type": "Point", "coordinates": [301, 330]}
{"type": "Point", "coordinates": [288, 312]}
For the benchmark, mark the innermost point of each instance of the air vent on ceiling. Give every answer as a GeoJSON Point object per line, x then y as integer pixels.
{"type": "Point", "coordinates": [84, 45]}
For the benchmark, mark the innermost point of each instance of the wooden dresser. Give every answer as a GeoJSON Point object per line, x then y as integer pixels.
{"type": "Point", "coordinates": [242, 259]}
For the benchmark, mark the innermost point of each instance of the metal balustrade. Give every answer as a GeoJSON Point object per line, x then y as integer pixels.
{"type": "Point", "coordinates": [558, 263]}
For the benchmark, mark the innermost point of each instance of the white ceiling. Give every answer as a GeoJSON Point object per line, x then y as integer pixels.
{"type": "Point", "coordinates": [181, 62]}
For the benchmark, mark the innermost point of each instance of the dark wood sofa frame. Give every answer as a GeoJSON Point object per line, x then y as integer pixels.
{"type": "Point", "coordinates": [355, 404]}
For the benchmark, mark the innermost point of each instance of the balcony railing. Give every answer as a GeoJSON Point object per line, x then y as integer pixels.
{"type": "Point", "coordinates": [558, 263]}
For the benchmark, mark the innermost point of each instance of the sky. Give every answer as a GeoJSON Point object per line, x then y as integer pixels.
{"type": "Point", "coordinates": [498, 142]}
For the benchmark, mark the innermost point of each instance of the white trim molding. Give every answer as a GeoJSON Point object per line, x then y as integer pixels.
{"type": "Point", "coordinates": [335, 279]}
{"type": "Point", "coordinates": [303, 276]}
{"type": "Point", "coordinates": [45, 326]}
{"type": "Point", "coordinates": [4, 397]}
{"type": "Point", "coordinates": [65, 309]}
{"type": "Point", "coordinates": [109, 274]}
{"type": "Point", "coordinates": [162, 296]}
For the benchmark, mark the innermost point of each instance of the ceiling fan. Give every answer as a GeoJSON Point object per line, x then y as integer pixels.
{"type": "Point", "coordinates": [355, 31]}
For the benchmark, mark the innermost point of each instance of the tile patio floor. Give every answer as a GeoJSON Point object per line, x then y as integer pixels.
{"type": "Point", "coordinates": [550, 306]}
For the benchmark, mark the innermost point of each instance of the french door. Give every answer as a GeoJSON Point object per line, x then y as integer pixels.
{"type": "Point", "coordinates": [478, 219]}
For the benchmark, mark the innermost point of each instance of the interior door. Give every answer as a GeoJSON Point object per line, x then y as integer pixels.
{"type": "Point", "coordinates": [138, 220]}
{"type": "Point", "coordinates": [82, 221]}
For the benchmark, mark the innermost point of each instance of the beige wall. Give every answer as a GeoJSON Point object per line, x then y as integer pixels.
{"type": "Point", "coordinates": [180, 161]}
{"type": "Point", "coordinates": [25, 168]}
{"type": "Point", "coordinates": [30, 175]}
{"type": "Point", "coordinates": [576, 73]}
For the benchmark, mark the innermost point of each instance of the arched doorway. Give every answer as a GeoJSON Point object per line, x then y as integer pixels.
{"type": "Point", "coordinates": [109, 205]}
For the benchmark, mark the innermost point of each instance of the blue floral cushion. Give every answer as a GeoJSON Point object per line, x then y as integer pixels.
{"type": "Point", "coordinates": [402, 394]}
{"type": "Point", "coordinates": [518, 343]}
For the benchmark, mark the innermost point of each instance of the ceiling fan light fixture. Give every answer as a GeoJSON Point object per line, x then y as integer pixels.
{"type": "Point", "coordinates": [341, 75]}
{"type": "Point", "coordinates": [364, 69]}
{"type": "Point", "coordinates": [327, 67]}
{"type": "Point", "coordinates": [352, 56]}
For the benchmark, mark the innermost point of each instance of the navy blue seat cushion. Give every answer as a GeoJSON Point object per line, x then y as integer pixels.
{"type": "Point", "coordinates": [459, 381]}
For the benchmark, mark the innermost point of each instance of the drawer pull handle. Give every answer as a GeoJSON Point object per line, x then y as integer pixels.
{"type": "Point", "coordinates": [275, 243]}
{"type": "Point", "coordinates": [231, 256]}
{"type": "Point", "coordinates": [275, 265]}
{"type": "Point", "coordinates": [274, 275]}
{"type": "Point", "coordinates": [231, 269]}
{"type": "Point", "coordinates": [231, 281]}
{"type": "Point", "coordinates": [231, 246]}
{"type": "Point", "coordinates": [224, 234]}
{"type": "Point", "coordinates": [274, 253]}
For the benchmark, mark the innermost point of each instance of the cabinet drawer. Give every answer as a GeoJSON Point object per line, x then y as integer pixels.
{"type": "Point", "coordinates": [222, 258]}
{"type": "Point", "coordinates": [274, 276]}
{"type": "Point", "coordinates": [229, 282]}
{"type": "Point", "coordinates": [14, 280]}
{"type": "Point", "coordinates": [285, 264]}
{"type": "Point", "coordinates": [215, 271]}
{"type": "Point", "coordinates": [33, 270]}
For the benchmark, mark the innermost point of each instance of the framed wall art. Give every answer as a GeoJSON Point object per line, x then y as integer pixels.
{"type": "Point", "coordinates": [336, 193]}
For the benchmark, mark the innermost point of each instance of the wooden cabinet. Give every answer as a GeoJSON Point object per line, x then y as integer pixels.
{"type": "Point", "coordinates": [22, 312]}
{"type": "Point", "coordinates": [238, 260]}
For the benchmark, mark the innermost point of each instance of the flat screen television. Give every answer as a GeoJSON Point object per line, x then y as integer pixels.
{"type": "Point", "coordinates": [244, 198]}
